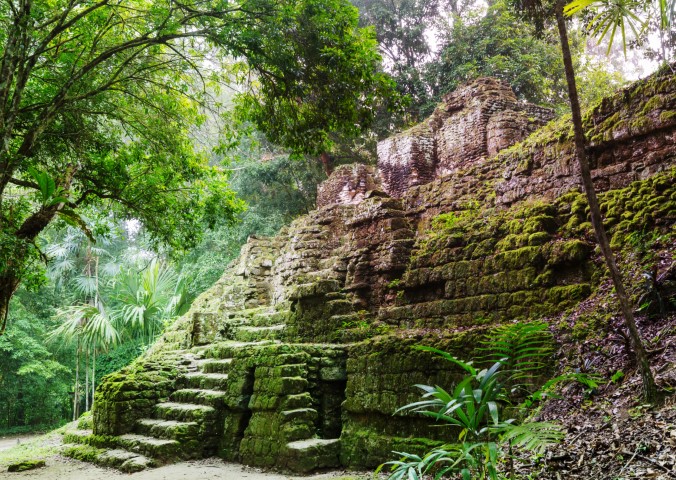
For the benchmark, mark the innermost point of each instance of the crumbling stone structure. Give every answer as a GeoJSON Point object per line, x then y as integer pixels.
{"type": "Point", "coordinates": [472, 124]}
{"type": "Point", "coordinates": [299, 355]}
{"type": "Point", "coordinates": [348, 185]}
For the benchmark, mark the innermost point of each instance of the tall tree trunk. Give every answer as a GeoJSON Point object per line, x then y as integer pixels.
{"type": "Point", "coordinates": [86, 392]}
{"type": "Point", "coordinates": [93, 375]}
{"type": "Point", "coordinates": [649, 388]}
{"type": "Point", "coordinates": [76, 400]}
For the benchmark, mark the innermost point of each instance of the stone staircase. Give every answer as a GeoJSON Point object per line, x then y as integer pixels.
{"type": "Point", "coordinates": [188, 425]}
{"type": "Point", "coordinates": [241, 391]}
{"type": "Point", "coordinates": [260, 325]}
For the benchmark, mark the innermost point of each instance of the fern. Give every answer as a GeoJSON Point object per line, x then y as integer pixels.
{"type": "Point", "coordinates": [524, 350]}
{"type": "Point", "coordinates": [534, 436]}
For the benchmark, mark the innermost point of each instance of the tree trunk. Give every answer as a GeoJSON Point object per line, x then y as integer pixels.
{"type": "Point", "coordinates": [86, 392]}
{"type": "Point", "coordinates": [649, 388]}
{"type": "Point", "coordinates": [327, 163]}
{"type": "Point", "coordinates": [93, 375]}
{"type": "Point", "coordinates": [8, 285]}
{"type": "Point", "coordinates": [76, 402]}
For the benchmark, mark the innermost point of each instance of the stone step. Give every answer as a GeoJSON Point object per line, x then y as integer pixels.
{"type": "Point", "coordinates": [168, 429]}
{"type": "Point", "coordinates": [157, 448]}
{"type": "Point", "coordinates": [211, 398]}
{"type": "Point", "coordinates": [249, 334]}
{"type": "Point", "coordinates": [185, 412]}
{"type": "Point", "coordinates": [207, 381]}
{"type": "Point", "coordinates": [120, 459]}
{"type": "Point", "coordinates": [125, 461]}
{"type": "Point", "coordinates": [268, 319]}
{"type": "Point", "coordinates": [210, 365]}
{"type": "Point", "coordinates": [228, 348]}
{"type": "Point", "coordinates": [305, 415]}
{"type": "Point", "coordinates": [78, 436]}
{"type": "Point", "coordinates": [305, 456]}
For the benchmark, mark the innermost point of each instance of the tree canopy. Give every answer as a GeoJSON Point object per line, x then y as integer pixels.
{"type": "Point", "coordinates": [98, 100]}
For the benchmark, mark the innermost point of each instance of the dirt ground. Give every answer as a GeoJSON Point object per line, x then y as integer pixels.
{"type": "Point", "coordinates": [13, 440]}
{"type": "Point", "coordinates": [47, 447]}
{"type": "Point", "coordinates": [61, 468]}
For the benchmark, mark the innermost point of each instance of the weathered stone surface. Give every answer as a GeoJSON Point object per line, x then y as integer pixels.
{"type": "Point", "coordinates": [472, 124]}
{"type": "Point", "coordinates": [25, 465]}
{"type": "Point", "coordinates": [348, 185]}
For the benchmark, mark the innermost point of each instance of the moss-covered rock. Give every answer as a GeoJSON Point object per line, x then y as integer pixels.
{"type": "Point", "coordinates": [26, 465]}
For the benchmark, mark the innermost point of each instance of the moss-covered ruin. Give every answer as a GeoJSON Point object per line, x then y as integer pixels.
{"type": "Point", "coordinates": [299, 355]}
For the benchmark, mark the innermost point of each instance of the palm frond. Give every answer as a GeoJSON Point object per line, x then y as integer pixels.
{"type": "Point", "coordinates": [613, 15]}
{"type": "Point", "coordinates": [535, 437]}
{"type": "Point", "coordinates": [85, 285]}
{"type": "Point", "coordinates": [524, 350]}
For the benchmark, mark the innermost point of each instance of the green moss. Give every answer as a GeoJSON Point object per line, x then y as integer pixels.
{"type": "Point", "coordinates": [26, 465]}
{"type": "Point", "coordinates": [40, 447]}
{"type": "Point", "coordinates": [85, 422]}
{"type": "Point", "coordinates": [654, 103]}
{"type": "Point", "coordinates": [512, 241]}
{"type": "Point", "coordinates": [539, 223]}
{"type": "Point", "coordinates": [538, 238]}
{"type": "Point", "coordinates": [666, 116]}
{"type": "Point", "coordinates": [84, 453]}
{"type": "Point", "coordinates": [568, 252]}
{"type": "Point", "coordinates": [568, 293]}
{"type": "Point", "coordinates": [519, 258]}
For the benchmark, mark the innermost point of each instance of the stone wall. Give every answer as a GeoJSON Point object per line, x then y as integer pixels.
{"type": "Point", "coordinates": [315, 326]}
{"type": "Point", "coordinates": [347, 185]}
{"type": "Point", "coordinates": [632, 137]}
{"type": "Point", "coordinates": [472, 124]}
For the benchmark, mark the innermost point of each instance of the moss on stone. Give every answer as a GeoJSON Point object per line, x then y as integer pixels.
{"type": "Point", "coordinates": [568, 252]}
{"type": "Point", "coordinates": [26, 465]}
{"type": "Point", "coordinates": [83, 452]}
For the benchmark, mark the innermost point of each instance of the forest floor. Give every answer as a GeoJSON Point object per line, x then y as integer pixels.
{"type": "Point", "coordinates": [610, 433]}
{"type": "Point", "coordinates": [62, 468]}
{"type": "Point", "coordinates": [46, 447]}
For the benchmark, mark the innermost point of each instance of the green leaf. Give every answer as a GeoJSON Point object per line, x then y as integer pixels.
{"type": "Point", "coordinates": [45, 183]}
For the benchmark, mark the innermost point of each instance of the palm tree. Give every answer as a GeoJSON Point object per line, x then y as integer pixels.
{"type": "Point", "coordinates": [611, 16]}
{"type": "Point", "coordinates": [129, 294]}
{"type": "Point", "coordinates": [146, 300]}
{"type": "Point", "coordinates": [540, 11]}
{"type": "Point", "coordinates": [90, 330]}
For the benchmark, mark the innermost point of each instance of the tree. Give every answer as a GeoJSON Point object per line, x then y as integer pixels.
{"type": "Point", "coordinates": [98, 100]}
{"type": "Point", "coordinates": [34, 380]}
{"type": "Point", "coordinates": [133, 305]}
{"type": "Point", "coordinates": [276, 190]}
{"type": "Point", "coordinates": [89, 328]}
{"type": "Point", "coordinates": [541, 11]}
{"type": "Point", "coordinates": [498, 43]}
{"type": "Point", "coordinates": [402, 28]}
{"type": "Point", "coordinates": [142, 302]}
{"type": "Point", "coordinates": [638, 17]}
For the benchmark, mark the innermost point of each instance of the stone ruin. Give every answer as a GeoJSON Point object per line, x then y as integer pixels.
{"type": "Point", "coordinates": [472, 125]}
{"type": "Point", "coordinates": [298, 356]}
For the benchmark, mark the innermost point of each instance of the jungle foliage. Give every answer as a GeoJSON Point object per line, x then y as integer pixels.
{"type": "Point", "coordinates": [488, 409]}
{"type": "Point", "coordinates": [98, 101]}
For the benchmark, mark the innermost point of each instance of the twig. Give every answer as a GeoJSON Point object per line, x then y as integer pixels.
{"type": "Point", "coordinates": [652, 462]}
{"type": "Point", "coordinates": [630, 460]}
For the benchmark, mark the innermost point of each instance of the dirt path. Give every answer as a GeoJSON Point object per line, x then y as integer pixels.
{"type": "Point", "coordinates": [46, 447]}
{"type": "Point", "coordinates": [12, 441]}
{"type": "Point", "coordinates": [61, 468]}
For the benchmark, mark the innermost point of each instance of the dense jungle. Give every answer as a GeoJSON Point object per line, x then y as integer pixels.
{"type": "Point", "coordinates": [397, 239]}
